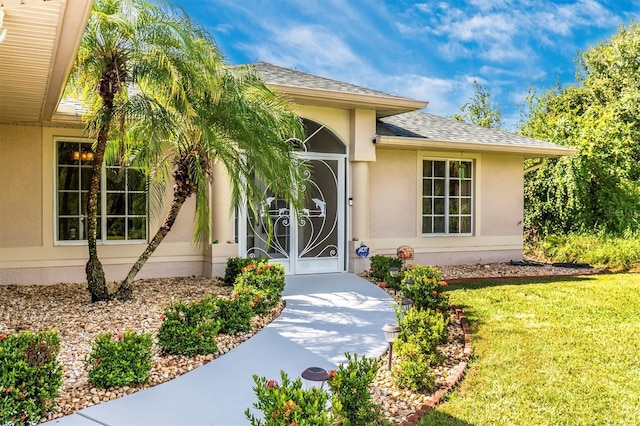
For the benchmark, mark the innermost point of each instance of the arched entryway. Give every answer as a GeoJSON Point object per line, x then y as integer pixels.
{"type": "Point", "coordinates": [311, 240]}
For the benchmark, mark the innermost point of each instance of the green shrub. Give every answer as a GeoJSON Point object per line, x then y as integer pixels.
{"type": "Point", "coordinates": [234, 268]}
{"type": "Point", "coordinates": [259, 300]}
{"type": "Point", "coordinates": [379, 269]}
{"type": "Point", "coordinates": [287, 403]}
{"type": "Point", "coordinates": [426, 290]}
{"type": "Point", "coordinates": [234, 313]}
{"type": "Point", "coordinates": [120, 359]}
{"type": "Point", "coordinates": [262, 276]}
{"type": "Point", "coordinates": [414, 374]}
{"type": "Point", "coordinates": [423, 327]}
{"type": "Point", "coordinates": [351, 401]}
{"type": "Point", "coordinates": [189, 328]}
{"type": "Point", "coordinates": [30, 376]}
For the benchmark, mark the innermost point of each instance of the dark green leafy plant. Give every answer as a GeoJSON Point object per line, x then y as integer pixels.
{"type": "Point", "coordinates": [413, 373]}
{"type": "Point", "coordinates": [234, 268]}
{"type": "Point", "coordinates": [351, 401]}
{"type": "Point", "coordinates": [30, 376]}
{"type": "Point", "coordinates": [287, 403]}
{"type": "Point", "coordinates": [120, 359]}
{"type": "Point", "coordinates": [258, 299]}
{"type": "Point", "coordinates": [426, 290]}
{"type": "Point", "coordinates": [263, 276]}
{"type": "Point", "coordinates": [379, 269]}
{"type": "Point", "coordinates": [189, 328]}
{"type": "Point", "coordinates": [234, 313]}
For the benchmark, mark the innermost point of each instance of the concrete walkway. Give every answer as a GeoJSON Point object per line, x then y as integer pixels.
{"type": "Point", "coordinates": [326, 315]}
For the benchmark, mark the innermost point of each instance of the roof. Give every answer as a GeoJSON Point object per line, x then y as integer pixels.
{"type": "Point", "coordinates": [420, 129]}
{"type": "Point", "coordinates": [308, 89]}
{"type": "Point", "coordinates": [41, 43]}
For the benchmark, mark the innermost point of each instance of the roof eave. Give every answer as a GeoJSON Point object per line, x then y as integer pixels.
{"type": "Point", "coordinates": [76, 18]}
{"type": "Point", "coordinates": [384, 106]}
{"type": "Point", "coordinates": [398, 142]}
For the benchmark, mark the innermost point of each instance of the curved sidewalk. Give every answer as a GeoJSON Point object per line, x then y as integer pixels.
{"type": "Point", "coordinates": [326, 315]}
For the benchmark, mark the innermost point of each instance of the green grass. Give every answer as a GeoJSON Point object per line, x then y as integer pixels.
{"type": "Point", "coordinates": [549, 352]}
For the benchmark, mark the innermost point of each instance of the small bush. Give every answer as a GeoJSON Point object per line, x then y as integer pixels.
{"type": "Point", "coordinates": [379, 269]}
{"type": "Point", "coordinates": [286, 403]}
{"type": "Point", "coordinates": [414, 374]}
{"type": "Point", "coordinates": [234, 313]}
{"type": "Point", "coordinates": [423, 327]}
{"type": "Point", "coordinates": [234, 268]}
{"type": "Point", "coordinates": [426, 291]}
{"type": "Point", "coordinates": [257, 299]}
{"type": "Point", "coordinates": [30, 376]}
{"type": "Point", "coordinates": [351, 402]}
{"type": "Point", "coordinates": [120, 359]}
{"type": "Point", "coordinates": [189, 328]}
{"type": "Point", "coordinates": [265, 277]}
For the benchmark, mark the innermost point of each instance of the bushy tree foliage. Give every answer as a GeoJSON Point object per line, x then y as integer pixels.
{"type": "Point", "coordinates": [479, 110]}
{"type": "Point", "coordinates": [599, 116]}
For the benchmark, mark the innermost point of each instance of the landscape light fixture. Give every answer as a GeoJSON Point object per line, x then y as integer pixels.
{"type": "Point", "coordinates": [406, 304]}
{"type": "Point", "coordinates": [393, 271]}
{"type": "Point", "coordinates": [314, 375]}
{"type": "Point", "coordinates": [391, 332]}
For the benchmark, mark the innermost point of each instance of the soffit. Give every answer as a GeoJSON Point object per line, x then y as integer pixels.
{"type": "Point", "coordinates": [37, 54]}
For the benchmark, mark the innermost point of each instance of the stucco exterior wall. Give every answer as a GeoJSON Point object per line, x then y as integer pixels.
{"type": "Point", "coordinates": [21, 177]}
{"type": "Point", "coordinates": [395, 191]}
{"type": "Point", "coordinates": [29, 253]}
{"type": "Point", "coordinates": [393, 183]}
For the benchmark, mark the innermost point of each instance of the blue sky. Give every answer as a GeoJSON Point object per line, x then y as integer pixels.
{"type": "Point", "coordinates": [430, 50]}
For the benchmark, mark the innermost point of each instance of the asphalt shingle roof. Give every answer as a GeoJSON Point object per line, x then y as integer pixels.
{"type": "Point", "coordinates": [273, 74]}
{"type": "Point", "coordinates": [419, 124]}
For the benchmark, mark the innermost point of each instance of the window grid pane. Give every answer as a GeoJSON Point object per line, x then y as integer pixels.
{"type": "Point", "coordinates": [125, 197]}
{"type": "Point", "coordinates": [447, 197]}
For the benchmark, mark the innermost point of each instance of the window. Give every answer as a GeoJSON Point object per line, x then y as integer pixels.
{"type": "Point", "coordinates": [447, 197]}
{"type": "Point", "coordinates": [122, 199]}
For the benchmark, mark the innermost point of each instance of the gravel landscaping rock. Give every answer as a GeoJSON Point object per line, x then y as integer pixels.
{"type": "Point", "coordinates": [68, 309]}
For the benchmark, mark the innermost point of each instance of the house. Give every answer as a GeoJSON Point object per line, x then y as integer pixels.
{"type": "Point", "coordinates": [382, 174]}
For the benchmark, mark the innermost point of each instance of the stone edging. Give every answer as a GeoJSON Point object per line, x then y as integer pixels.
{"type": "Point", "coordinates": [453, 379]}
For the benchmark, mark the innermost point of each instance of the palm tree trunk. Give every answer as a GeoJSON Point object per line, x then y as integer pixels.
{"type": "Point", "coordinates": [96, 281]}
{"type": "Point", "coordinates": [125, 291]}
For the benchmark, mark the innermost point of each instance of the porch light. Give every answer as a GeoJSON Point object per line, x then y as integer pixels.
{"type": "Point", "coordinates": [391, 332]}
{"type": "Point", "coordinates": [314, 375]}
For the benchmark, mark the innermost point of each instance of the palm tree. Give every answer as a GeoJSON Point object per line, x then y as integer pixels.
{"type": "Point", "coordinates": [137, 63]}
{"type": "Point", "coordinates": [247, 128]}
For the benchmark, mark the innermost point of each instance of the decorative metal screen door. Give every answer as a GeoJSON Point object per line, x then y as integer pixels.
{"type": "Point", "coordinates": [311, 240]}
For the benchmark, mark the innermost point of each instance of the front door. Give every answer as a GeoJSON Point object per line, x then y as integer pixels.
{"type": "Point", "coordinates": [311, 240]}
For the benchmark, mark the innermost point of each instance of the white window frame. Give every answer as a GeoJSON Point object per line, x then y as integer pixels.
{"type": "Point", "coordinates": [447, 179]}
{"type": "Point", "coordinates": [103, 203]}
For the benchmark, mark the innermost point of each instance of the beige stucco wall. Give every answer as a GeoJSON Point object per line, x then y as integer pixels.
{"type": "Point", "coordinates": [29, 253]}
{"type": "Point", "coordinates": [498, 208]}
{"type": "Point", "coordinates": [21, 195]}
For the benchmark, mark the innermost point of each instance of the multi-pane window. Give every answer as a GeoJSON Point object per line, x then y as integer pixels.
{"type": "Point", "coordinates": [447, 196]}
{"type": "Point", "coordinates": [122, 199]}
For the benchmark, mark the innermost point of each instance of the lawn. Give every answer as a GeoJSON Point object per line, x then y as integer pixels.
{"type": "Point", "coordinates": [549, 352]}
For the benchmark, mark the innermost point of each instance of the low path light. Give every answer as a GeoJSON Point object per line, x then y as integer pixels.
{"type": "Point", "coordinates": [315, 375]}
{"type": "Point", "coordinates": [406, 304]}
{"type": "Point", "coordinates": [393, 271]}
{"type": "Point", "coordinates": [391, 332]}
